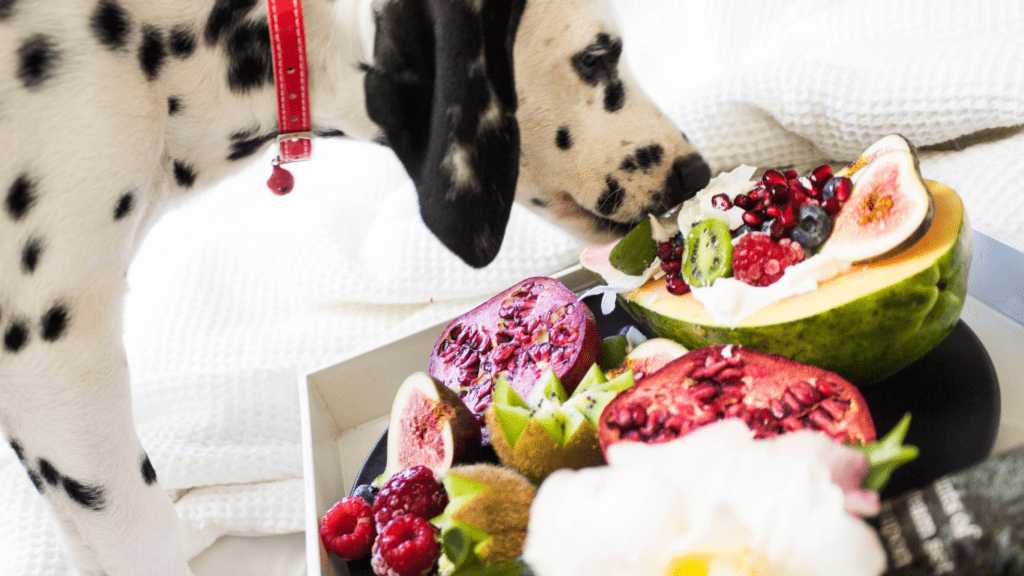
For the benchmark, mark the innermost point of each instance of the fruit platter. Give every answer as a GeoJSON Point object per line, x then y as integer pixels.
{"type": "Point", "coordinates": [539, 381]}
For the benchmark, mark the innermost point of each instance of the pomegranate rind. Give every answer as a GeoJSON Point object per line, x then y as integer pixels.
{"type": "Point", "coordinates": [759, 379]}
{"type": "Point", "coordinates": [866, 325]}
{"type": "Point", "coordinates": [580, 348]}
{"type": "Point", "coordinates": [429, 426]}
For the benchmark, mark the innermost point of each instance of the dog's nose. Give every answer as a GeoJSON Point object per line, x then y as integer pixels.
{"type": "Point", "coordinates": [689, 175]}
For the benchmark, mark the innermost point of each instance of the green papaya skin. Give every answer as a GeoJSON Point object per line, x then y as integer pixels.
{"type": "Point", "coordinates": [893, 327]}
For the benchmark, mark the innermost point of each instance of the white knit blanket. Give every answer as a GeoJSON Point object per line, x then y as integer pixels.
{"type": "Point", "coordinates": [236, 294]}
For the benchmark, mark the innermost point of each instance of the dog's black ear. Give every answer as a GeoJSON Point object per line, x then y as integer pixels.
{"type": "Point", "coordinates": [442, 89]}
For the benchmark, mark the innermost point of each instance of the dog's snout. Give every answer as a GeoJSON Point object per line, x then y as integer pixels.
{"type": "Point", "coordinates": [688, 176]}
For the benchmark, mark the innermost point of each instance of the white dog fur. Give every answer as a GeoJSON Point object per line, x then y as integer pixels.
{"type": "Point", "coordinates": [111, 111]}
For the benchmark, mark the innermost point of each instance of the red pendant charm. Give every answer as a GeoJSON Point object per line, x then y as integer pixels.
{"type": "Point", "coordinates": [281, 181]}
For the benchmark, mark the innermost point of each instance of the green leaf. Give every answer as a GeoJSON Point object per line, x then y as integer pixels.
{"type": "Point", "coordinates": [887, 454]}
{"type": "Point", "coordinates": [635, 252]}
{"type": "Point", "coordinates": [613, 351]}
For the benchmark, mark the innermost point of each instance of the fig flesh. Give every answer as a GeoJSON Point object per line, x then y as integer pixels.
{"type": "Point", "coordinates": [534, 325]}
{"type": "Point", "coordinates": [771, 394]}
{"type": "Point", "coordinates": [649, 357]}
{"type": "Point", "coordinates": [430, 426]}
{"type": "Point", "coordinates": [889, 208]}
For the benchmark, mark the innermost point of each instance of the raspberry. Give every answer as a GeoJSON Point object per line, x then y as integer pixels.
{"type": "Point", "coordinates": [411, 491]}
{"type": "Point", "coordinates": [406, 547]}
{"type": "Point", "coordinates": [759, 261]}
{"type": "Point", "coordinates": [347, 529]}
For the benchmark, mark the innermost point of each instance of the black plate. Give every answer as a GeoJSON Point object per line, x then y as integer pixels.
{"type": "Point", "coordinates": [952, 393]}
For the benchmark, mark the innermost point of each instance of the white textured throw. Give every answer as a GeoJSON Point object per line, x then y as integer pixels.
{"type": "Point", "coordinates": [237, 293]}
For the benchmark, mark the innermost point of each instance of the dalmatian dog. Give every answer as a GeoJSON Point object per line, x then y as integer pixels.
{"type": "Point", "coordinates": [111, 111]}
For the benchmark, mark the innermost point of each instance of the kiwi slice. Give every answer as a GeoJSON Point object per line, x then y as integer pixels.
{"type": "Point", "coordinates": [708, 253]}
{"type": "Point", "coordinates": [635, 252]}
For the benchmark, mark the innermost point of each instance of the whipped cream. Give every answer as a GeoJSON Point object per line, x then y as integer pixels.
{"type": "Point", "coordinates": [729, 300]}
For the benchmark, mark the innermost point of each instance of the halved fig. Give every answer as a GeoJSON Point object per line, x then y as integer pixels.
{"type": "Point", "coordinates": [890, 143]}
{"type": "Point", "coordinates": [649, 357]}
{"type": "Point", "coordinates": [430, 426]}
{"type": "Point", "coordinates": [889, 209]}
{"type": "Point", "coordinates": [771, 394]}
{"type": "Point", "coordinates": [534, 325]}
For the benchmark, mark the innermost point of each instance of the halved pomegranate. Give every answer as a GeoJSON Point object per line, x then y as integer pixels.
{"type": "Point", "coordinates": [772, 394]}
{"type": "Point", "coordinates": [536, 324]}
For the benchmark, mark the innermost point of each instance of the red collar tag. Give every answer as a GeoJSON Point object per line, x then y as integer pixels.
{"type": "Point", "coordinates": [288, 43]}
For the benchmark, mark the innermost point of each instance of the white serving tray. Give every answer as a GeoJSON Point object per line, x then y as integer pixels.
{"type": "Point", "coordinates": [342, 420]}
{"type": "Point", "coordinates": [346, 407]}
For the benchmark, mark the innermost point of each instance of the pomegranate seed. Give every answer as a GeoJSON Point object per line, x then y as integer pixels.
{"type": "Point", "coordinates": [788, 217]}
{"type": "Point", "coordinates": [821, 175]}
{"type": "Point", "coordinates": [805, 393]}
{"type": "Point", "coordinates": [753, 219]}
{"type": "Point", "coordinates": [777, 232]}
{"type": "Point", "coordinates": [808, 187]}
{"type": "Point", "coordinates": [835, 409]}
{"type": "Point", "coordinates": [665, 251]}
{"type": "Point", "coordinates": [825, 387]}
{"type": "Point", "coordinates": [677, 286]}
{"type": "Point", "coordinates": [778, 410]}
{"type": "Point", "coordinates": [792, 402]}
{"type": "Point", "coordinates": [831, 206]}
{"type": "Point", "coordinates": [843, 189]}
{"type": "Point", "coordinates": [772, 211]}
{"type": "Point", "coordinates": [791, 174]}
{"type": "Point", "coordinates": [743, 201]}
{"type": "Point", "coordinates": [772, 177]}
{"type": "Point", "coordinates": [721, 202]}
{"type": "Point", "coordinates": [779, 194]}
{"type": "Point", "coordinates": [759, 193]}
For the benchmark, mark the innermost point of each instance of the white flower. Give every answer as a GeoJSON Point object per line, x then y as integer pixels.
{"type": "Point", "coordinates": [714, 502]}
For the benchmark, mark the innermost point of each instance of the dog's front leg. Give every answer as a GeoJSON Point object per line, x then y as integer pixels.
{"type": "Point", "coordinates": [67, 412]}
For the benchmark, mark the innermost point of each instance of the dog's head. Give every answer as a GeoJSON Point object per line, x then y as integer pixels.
{"type": "Point", "coordinates": [486, 101]}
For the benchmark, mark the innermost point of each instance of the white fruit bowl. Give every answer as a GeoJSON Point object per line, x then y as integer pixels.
{"type": "Point", "coordinates": [345, 408]}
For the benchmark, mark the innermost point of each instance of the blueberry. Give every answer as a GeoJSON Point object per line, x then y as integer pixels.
{"type": "Point", "coordinates": [366, 492]}
{"type": "Point", "coordinates": [814, 227]}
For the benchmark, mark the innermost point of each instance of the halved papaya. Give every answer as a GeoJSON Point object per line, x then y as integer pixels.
{"type": "Point", "coordinates": [866, 324]}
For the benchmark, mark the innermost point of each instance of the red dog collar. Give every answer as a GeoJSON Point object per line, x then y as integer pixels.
{"type": "Point", "coordinates": [288, 43]}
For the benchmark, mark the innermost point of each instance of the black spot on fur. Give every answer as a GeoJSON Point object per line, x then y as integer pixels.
{"type": "Point", "coordinates": [110, 24]}
{"type": "Point", "coordinates": [173, 105]}
{"type": "Point", "coordinates": [330, 133]}
{"type": "Point", "coordinates": [148, 472]}
{"type": "Point", "coordinates": [19, 451]}
{"type": "Point", "coordinates": [184, 174]}
{"type": "Point", "coordinates": [225, 14]}
{"type": "Point", "coordinates": [245, 143]}
{"type": "Point", "coordinates": [181, 41]}
{"type": "Point", "coordinates": [628, 164]}
{"type": "Point", "coordinates": [86, 496]}
{"type": "Point", "coordinates": [649, 156]}
{"type": "Point", "coordinates": [124, 205]}
{"type": "Point", "coordinates": [35, 479]}
{"type": "Point", "coordinates": [21, 196]}
{"type": "Point", "coordinates": [614, 96]}
{"type": "Point", "coordinates": [250, 63]}
{"type": "Point", "coordinates": [611, 198]}
{"type": "Point", "coordinates": [30, 255]}
{"type": "Point", "coordinates": [540, 202]}
{"type": "Point", "coordinates": [563, 139]}
{"type": "Point", "coordinates": [37, 59]}
{"type": "Point", "coordinates": [15, 337]}
{"type": "Point", "coordinates": [152, 52]}
{"type": "Point", "coordinates": [6, 9]}
{"type": "Point", "coordinates": [48, 472]}
{"type": "Point", "coordinates": [599, 61]}
{"type": "Point", "coordinates": [54, 323]}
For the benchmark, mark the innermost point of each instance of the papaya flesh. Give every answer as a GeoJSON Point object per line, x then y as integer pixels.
{"type": "Point", "coordinates": [865, 324]}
